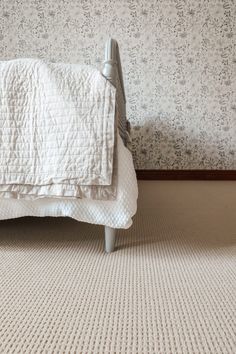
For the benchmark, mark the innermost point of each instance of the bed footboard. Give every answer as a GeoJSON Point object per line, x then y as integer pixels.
{"type": "Point", "coordinates": [110, 238]}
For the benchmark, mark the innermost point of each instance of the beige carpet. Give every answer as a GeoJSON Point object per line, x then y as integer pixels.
{"type": "Point", "coordinates": [169, 288]}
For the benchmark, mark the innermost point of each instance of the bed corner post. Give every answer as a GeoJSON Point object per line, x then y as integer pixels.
{"type": "Point", "coordinates": [110, 238]}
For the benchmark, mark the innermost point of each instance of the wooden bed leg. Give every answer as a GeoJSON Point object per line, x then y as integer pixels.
{"type": "Point", "coordinates": [110, 238]}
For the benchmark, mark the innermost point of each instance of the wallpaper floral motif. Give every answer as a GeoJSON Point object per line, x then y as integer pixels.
{"type": "Point", "coordinates": [179, 63]}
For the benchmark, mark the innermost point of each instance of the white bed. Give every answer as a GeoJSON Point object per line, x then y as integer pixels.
{"type": "Point", "coordinates": [112, 214]}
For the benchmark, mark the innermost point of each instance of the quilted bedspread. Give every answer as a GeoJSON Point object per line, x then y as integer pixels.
{"type": "Point", "coordinates": [114, 213]}
{"type": "Point", "coordinates": [57, 130]}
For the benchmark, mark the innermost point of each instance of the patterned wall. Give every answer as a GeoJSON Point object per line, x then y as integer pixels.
{"type": "Point", "coordinates": [179, 62]}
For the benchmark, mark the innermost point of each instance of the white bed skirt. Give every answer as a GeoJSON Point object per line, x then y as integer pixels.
{"type": "Point", "coordinates": [116, 214]}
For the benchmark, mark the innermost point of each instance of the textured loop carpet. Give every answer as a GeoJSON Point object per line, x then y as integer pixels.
{"type": "Point", "coordinates": [169, 288]}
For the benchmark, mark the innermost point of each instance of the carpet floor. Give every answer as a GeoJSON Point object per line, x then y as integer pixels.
{"type": "Point", "coordinates": [170, 286]}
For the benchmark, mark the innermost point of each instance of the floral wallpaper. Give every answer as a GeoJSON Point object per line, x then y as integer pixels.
{"type": "Point", "coordinates": [179, 63]}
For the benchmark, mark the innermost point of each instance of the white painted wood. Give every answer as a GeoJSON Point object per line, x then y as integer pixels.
{"type": "Point", "coordinates": [110, 238]}
{"type": "Point", "coordinates": [112, 71]}
{"type": "Point", "coordinates": [112, 64]}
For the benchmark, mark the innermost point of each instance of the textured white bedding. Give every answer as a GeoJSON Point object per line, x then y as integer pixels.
{"type": "Point", "coordinates": [114, 213]}
{"type": "Point", "coordinates": [57, 124]}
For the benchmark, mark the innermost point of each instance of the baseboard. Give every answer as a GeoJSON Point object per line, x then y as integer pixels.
{"type": "Point", "coordinates": [204, 175]}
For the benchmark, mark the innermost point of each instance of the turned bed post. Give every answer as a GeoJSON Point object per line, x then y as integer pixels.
{"type": "Point", "coordinates": [112, 71]}
{"type": "Point", "coordinates": [110, 239]}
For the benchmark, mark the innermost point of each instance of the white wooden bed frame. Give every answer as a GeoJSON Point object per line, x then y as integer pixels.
{"type": "Point", "coordinates": [112, 71]}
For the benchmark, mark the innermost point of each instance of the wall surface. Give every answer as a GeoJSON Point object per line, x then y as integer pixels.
{"type": "Point", "coordinates": [179, 63]}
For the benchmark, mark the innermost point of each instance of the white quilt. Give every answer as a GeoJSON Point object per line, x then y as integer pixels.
{"type": "Point", "coordinates": [114, 213]}
{"type": "Point", "coordinates": [57, 130]}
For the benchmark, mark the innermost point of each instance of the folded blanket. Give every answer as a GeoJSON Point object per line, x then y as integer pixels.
{"type": "Point", "coordinates": [57, 130]}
